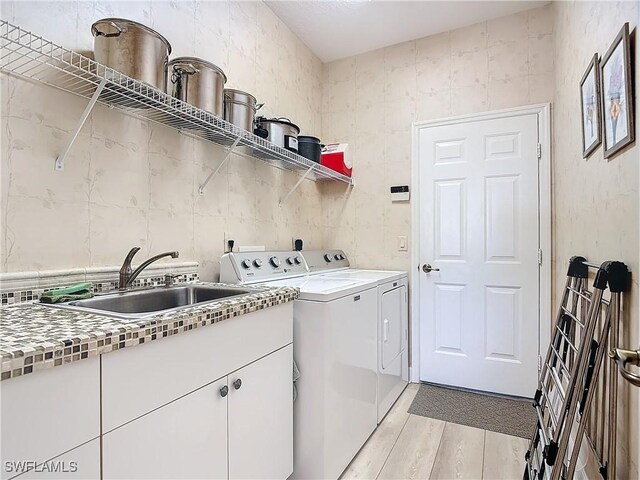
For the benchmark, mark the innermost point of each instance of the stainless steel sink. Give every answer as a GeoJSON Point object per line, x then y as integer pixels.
{"type": "Point", "coordinates": [140, 303]}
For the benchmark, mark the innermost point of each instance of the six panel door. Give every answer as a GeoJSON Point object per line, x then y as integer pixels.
{"type": "Point", "coordinates": [479, 226]}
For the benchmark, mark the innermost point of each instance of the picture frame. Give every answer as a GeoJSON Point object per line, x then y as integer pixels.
{"type": "Point", "coordinates": [616, 88]}
{"type": "Point", "coordinates": [590, 108]}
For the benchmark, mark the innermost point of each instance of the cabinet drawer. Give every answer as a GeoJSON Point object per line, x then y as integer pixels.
{"type": "Point", "coordinates": [49, 412]}
{"type": "Point", "coordinates": [140, 379]}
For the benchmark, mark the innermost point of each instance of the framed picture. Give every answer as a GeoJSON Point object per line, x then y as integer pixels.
{"type": "Point", "coordinates": [617, 94]}
{"type": "Point", "coordinates": [591, 109]}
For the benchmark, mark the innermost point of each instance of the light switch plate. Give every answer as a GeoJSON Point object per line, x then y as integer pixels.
{"type": "Point", "coordinates": [402, 243]}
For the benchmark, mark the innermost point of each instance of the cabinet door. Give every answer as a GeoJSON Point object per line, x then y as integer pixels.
{"type": "Point", "coordinates": [50, 412]}
{"type": "Point", "coordinates": [186, 438]}
{"type": "Point", "coordinates": [82, 462]}
{"type": "Point", "coordinates": [261, 418]}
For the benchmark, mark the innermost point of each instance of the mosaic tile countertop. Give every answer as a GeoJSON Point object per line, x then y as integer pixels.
{"type": "Point", "coordinates": [35, 337]}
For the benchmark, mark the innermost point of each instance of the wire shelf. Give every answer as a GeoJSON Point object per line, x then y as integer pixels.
{"type": "Point", "coordinates": [28, 55]}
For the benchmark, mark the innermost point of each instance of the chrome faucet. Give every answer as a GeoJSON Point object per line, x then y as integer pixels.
{"type": "Point", "coordinates": [127, 276]}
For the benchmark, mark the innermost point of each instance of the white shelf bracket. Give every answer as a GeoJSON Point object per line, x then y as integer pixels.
{"type": "Point", "coordinates": [286, 197]}
{"type": "Point", "coordinates": [215, 172]}
{"type": "Point", "coordinates": [59, 165]}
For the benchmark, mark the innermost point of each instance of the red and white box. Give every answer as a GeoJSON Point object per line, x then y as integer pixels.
{"type": "Point", "coordinates": [336, 157]}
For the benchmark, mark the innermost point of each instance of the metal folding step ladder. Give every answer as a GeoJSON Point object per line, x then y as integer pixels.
{"type": "Point", "coordinates": [570, 371]}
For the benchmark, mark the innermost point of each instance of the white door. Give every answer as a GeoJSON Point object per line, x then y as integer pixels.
{"type": "Point", "coordinates": [261, 418]}
{"type": "Point", "coordinates": [186, 438]}
{"type": "Point", "coordinates": [479, 225]}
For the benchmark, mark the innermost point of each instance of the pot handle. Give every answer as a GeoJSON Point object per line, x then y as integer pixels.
{"type": "Point", "coordinates": [186, 69]}
{"type": "Point", "coordinates": [259, 106]}
{"type": "Point", "coordinates": [98, 33]}
{"type": "Point", "coordinates": [261, 132]}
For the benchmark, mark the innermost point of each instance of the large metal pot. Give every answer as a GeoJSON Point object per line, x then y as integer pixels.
{"type": "Point", "coordinates": [197, 82]}
{"type": "Point", "coordinates": [240, 108]}
{"type": "Point", "coordinates": [279, 131]}
{"type": "Point", "coordinates": [133, 49]}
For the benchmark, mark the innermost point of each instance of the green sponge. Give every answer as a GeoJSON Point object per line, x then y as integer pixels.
{"type": "Point", "coordinates": [80, 291]}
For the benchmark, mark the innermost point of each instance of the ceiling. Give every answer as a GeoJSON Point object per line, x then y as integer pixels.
{"type": "Point", "coordinates": [342, 28]}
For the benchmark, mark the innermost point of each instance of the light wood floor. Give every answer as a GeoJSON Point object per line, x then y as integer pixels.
{"type": "Point", "coordinates": [408, 446]}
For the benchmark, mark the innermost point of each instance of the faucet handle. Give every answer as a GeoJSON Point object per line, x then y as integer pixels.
{"type": "Point", "coordinates": [169, 279]}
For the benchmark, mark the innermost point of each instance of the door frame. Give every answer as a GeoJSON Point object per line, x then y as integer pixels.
{"type": "Point", "coordinates": [542, 111]}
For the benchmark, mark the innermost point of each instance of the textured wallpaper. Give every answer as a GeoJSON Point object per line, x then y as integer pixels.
{"type": "Point", "coordinates": [596, 200]}
{"type": "Point", "coordinates": [131, 182]}
{"type": "Point", "coordinates": [371, 100]}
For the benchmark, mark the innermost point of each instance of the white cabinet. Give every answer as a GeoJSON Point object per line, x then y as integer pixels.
{"type": "Point", "coordinates": [260, 418]}
{"type": "Point", "coordinates": [140, 379]}
{"type": "Point", "coordinates": [213, 403]}
{"type": "Point", "coordinates": [185, 439]}
{"type": "Point", "coordinates": [82, 463]}
{"type": "Point", "coordinates": [47, 413]}
{"type": "Point", "coordinates": [164, 415]}
{"type": "Point", "coordinates": [239, 427]}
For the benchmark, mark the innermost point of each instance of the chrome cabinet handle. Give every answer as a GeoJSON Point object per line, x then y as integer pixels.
{"type": "Point", "coordinates": [624, 357]}
{"type": "Point", "coordinates": [224, 391]}
{"type": "Point", "coordinates": [237, 384]}
{"type": "Point", "coordinates": [426, 268]}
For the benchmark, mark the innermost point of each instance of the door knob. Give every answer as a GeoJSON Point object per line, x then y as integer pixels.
{"type": "Point", "coordinates": [426, 268]}
{"type": "Point", "coordinates": [237, 384]}
{"type": "Point", "coordinates": [223, 391]}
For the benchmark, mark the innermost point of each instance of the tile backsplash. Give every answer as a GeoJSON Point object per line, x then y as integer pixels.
{"type": "Point", "coordinates": [23, 287]}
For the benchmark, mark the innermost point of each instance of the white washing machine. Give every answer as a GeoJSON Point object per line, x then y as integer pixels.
{"type": "Point", "coordinates": [335, 348]}
{"type": "Point", "coordinates": [392, 324]}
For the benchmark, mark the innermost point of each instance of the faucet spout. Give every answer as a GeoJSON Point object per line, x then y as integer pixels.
{"type": "Point", "coordinates": [127, 276]}
{"type": "Point", "coordinates": [148, 262]}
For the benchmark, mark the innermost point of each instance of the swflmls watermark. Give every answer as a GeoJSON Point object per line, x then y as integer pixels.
{"type": "Point", "coordinates": [51, 466]}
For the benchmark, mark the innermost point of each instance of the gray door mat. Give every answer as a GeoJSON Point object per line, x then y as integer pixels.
{"type": "Point", "coordinates": [515, 417]}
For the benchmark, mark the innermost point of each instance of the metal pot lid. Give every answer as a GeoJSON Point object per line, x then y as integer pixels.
{"type": "Point", "coordinates": [196, 61]}
{"type": "Point", "coordinates": [94, 30]}
{"type": "Point", "coordinates": [308, 139]}
{"type": "Point", "coordinates": [281, 120]}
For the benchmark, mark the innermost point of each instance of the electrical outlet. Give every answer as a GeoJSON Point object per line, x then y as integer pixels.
{"type": "Point", "coordinates": [227, 236]}
{"type": "Point", "coordinates": [402, 243]}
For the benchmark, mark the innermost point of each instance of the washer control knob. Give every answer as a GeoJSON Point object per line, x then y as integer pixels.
{"type": "Point", "coordinates": [275, 262]}
{"type": "Point", "coordinates": [257, 262]}
{"type": "Point", "coordinates": [342, 257]}
{"type": "Point", "coordinates": [246, 263]}
{"type": "Point", "coordinates": [297, 260]}
{"type": "Point", "coordinates": [327, 257]}
{"type": "Point", "coordinates": [290, 260]}
{"type": "Point", "coordinates": [337, 257]}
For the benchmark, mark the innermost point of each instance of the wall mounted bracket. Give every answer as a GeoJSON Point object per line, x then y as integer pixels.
{"type": "Point", "coordinates": [286, 197]}
{"type": "Point", "coordinates": [59, 165]}
{"type": "Point", "coordinates": [215, 172]}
